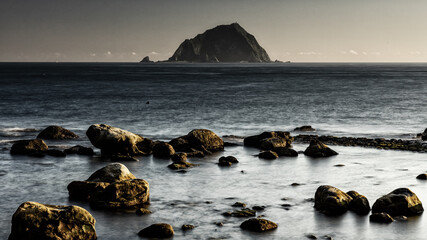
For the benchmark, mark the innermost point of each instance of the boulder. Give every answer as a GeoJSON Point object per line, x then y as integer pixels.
{"type": "Point", "coordinates": [318, 149]}
{"type": "Point", "coordinates": [401, 201]}
{"type": "Point", "coordinates": [158, 230]}
{"type": "Point", "coordinates": [258, 225]}
{"type": "Point", "coordinates": [227, 161]}
{"type": "Point", "coordinates": [113, 172]}
{"type": "Point", "coordinates": [381, 218]}
{"type": "Point", "coordinates": [33, 221]}
{"type": "Point", "coordinates": [269, 140]}
{"type": "Point", "coordinates": [198, 140]}
{"type": "Point", "coordinates": [163, 150]}
{"type": "Point", "coordinates": [269, 155]}
{"type": "Point", "coordinates": [80, 150]}
{"type": "Point", "coordinates": [112, 140]}
{"type": "Point", "coordinates": [305, 128]}
{"type": "Point", "coordinates": [57, 133]}
{"type": "Point", "coordinates": [331, 200]}
{"type": "Point", "coordinates": [27, 147]}
{"type": "Point", "coordinates": [285, 152]}
{"type": "Point", "coordinates": [359, 203]}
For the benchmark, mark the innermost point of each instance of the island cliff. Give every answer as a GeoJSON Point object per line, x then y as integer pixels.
{"type": "Point", "coordinates": [224, 43]}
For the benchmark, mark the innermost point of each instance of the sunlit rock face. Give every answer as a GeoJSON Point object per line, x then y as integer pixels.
{"type": "Point", "coordinates": [224, 43]}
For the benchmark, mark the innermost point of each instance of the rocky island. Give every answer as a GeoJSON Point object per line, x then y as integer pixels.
{"type": "Point", "coordinates": [224, 43]}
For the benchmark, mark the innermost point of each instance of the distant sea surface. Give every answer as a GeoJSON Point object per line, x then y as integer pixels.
{"type": "Point", "coordinates": [163, 101]}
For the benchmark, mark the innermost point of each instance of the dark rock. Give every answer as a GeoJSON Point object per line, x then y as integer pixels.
{"type": "Point", "coordinates": [239, 204]}
{"type": "Point", "coordinates": [196, 154]}
{"type": "Point", "coordinates": [37, 154]}
{"type": "Point", "coordinates": [381, 218]}
{"type": "Point", "coordinates": [424, 135]}
{"type": "Point", "coordinates": [305, 128]}
{"type": "Point", "coordinates": [80, 150]}
{"type": "Point", "coordinates": [245, 212]}
{"type": "Point", "coordinates": [179, 157]}
{"type": "Point", "coordinates": [35, 221]}
{"type": "Point", "coordinates": [318, 149]}
{"type": "Point", "coordinates": [113, 172]}
{"type": "Point", "coordinates": [181, 165]}
{"type": "Point", "coordinates": [163, 150]}
{"type": "Point", "coordinates": [269, 140]}
{"type": "Point", "coordinates": [146, 60]}
{"type": "Point", "coordinates": [310, 236]}
{"type": "Point", "coordinates": [258, 208]}
{"type": "Point", "coordinates": [143, 211]}
{"type": "Point", "coordinates": [187, 227]}
{"type": "Point", "coordinates": [331, 200]}
{"type": "Point", "coordinates": [123, 158]}
{"type": "Point", "coordinates": [258, 225]}
{"type": "Point", "coordinates": [158, 230]}
{"type": "Point", "coordinates": [359, 203]}
{"type": "Point", "coordinates": [57, 133]}
{"type": "Point", "coordinates": [202, 140]}
{"type": "Point", "coordinates": [401, 201]}
{"type": "Point", "coordinates": [27, 147]}
{"type": "Point", "coordinates": [224, 43]}
{"type": "Point", "coordinates": [227, 161]}
{"type": "Point", "coordinates": [270, 155]}
{"type": "Point", "coordinates": [112, 140]}
{"type": "Point", "coordinates": [422, 176]}
{"type": "Point", "coordinates": [55, 153]}
{"type": "Point", "coordinates": [285, 151]}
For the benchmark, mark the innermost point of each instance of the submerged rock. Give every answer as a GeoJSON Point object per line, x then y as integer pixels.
{"type": "Point", "coordinates": [34, 221]}
{"type": "Point", "coordinates": [80, 150]}
{"type": "Point", "coordinates": [285, 152]}
{"type": "Point", "coordinates": [55, 153]}
{"type": "Point", "coordinates": [269, 155]}
{"type": "Point", "coordinates": [401, 201]}
{"type": "Point", "coordinates": [305, 128]}
{"type": "Point", "coordinates": [187, 227]}
{"type": "Point", "coordinates": [181, 165]}
{"type": "Point", "coordinates": [227, 161]}
{"type": "Point", "coordinates": [202, 140]}
{"type": "Point", "coordinates": [27, 147]}
{"type": "Point", "coordinates": [158, 230]}
{"type": "Point", "coordinates": [381, 218]}
{"type": "Point", "coordinates": [318, 149]}
{"type": "Point", "coordinates": [331, 200]}
{"type": "Point", "coordinates": [258, 225]}
{"type": "Point", "coordinates": [143, 211]}
{"type": "Point", "coordinates": [57, 133]}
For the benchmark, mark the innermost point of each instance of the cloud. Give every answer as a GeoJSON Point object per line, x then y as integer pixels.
{"type": "Point", "coordinates": [310, 53]}
{"type": "Point", "coordinates": [353, 52]}
{"type": "Point", "coordinates": [154, 53]}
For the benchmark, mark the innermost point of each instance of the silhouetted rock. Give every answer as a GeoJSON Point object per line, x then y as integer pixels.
{"type": "Point", "coordinates": [269, 140]}
{"type": "Point", "coordinates": [34, 221]}
{"type": "Point", "coordinates": [318, 149]}
{"type": "Point", "coordinates": [80, 150]}
{"type": "Point", "coordinates": [258, 225]}
{"type": "Point", "coordinates": [163, 150]}
{"type": "Point", "coordinates": [55, 153]}
{"type": "Point", "coordinates": [227, 161]}
{"type": "Point", "coordinates": [331, 200]}
{"type": "Point", "coordinates": [239, 204]}
{"type": "Point", "coordinates": [285, 152]}
{"type": "Point", "coordinates": [422, 176]}
{"type": "Point", "coordinates": [57, 133]}
{"type": "Point", "coordinates": [305, 128]}
{"type": "Point", "coordinates": [224, 43]}
{"type": "Point", "coordinates": [359, 203]}
{"type": "Point", "coordinates": [269, 155]}
{"type": "Point", "coordinates": [401, 201]}
{"type": "Point", "coordinates": [28, 147]}
{"type": "Point", "coordinates": [202, 140]}
{"type": "Point", "coordinates": [381, 218]}
{"type": "Point", "coordinates": [424, 135]}
{"type": "Point", "coordinates": [146, 59]}
{"type": "Point", "coordinates": [158, 230]}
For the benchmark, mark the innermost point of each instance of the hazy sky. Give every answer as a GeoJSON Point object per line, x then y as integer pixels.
{"type": "Point", "coordinates": [296, 30]}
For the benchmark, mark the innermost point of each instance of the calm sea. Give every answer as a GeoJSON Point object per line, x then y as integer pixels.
{"type": "Point", "coordinates": [163, 101]}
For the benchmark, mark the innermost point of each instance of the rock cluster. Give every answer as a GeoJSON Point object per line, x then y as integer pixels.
{"type": "Point", "coordinates": [35, 221]}
{"type": "Point", "coordinates": [274, 144]}
{"type": "Point", "coordinates": [333, 201]}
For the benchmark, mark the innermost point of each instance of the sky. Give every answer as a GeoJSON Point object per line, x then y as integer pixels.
{"type": "Point", "coordinates": [294, 30]}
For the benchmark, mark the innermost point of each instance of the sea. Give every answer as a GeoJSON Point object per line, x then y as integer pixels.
{"type": "Point", "coordinates": [162, 101]}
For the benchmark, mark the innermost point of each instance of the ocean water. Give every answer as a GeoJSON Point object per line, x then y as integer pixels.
{"type": "Point", "coordinates": [163, 101]}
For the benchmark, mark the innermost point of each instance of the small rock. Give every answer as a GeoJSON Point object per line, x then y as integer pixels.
{"type": "Point", "coordinates": [422, 176]}
{"type": "Point", "coordinates": [310, 236]}
{"type": "Point", "coordinates": [285, 152]}
{"type": "Point", "coordinates": [318, 149]}
{"type": "Point", "coordinates": [381, 218]}
{"type": "Point", "coordinates": [219, 224]}
{"type": "Point", "coordinates": [239, 204]}
{"type": "Point", "coordinates": [258, 208]}
{"type": "Point", "coordinates": [163, 150]}
{"type": "Point", "coordinates": [227, 161]}
{"type": "Point", "coordinates": [270, 155]}
{"type": "Point", "coordinates": [181, 165]}
{"type": "Point", "coordinates": [305, 128]}
{"type": "Point", "coordinates": [80, 150]}
{"type": "Point", "coordinates": [179, 157]}
{"type": "Point", "coordinates": [57, 133]}
{"type": "Point", "coordinates": [245, 212]}
{"type": "Point", "coordinates": [27, 147]}
{"type": "Point", "coordinates": [258, 225]}
{"type": "Point", "coordinates": [55, 153]}
{"type": "Point", "coordinates": [331, 200]}
{"type": "Point", "coordinates": [143, 211]}
{"type": "Point", "coordinates": [187, 227]}
{"type": "Point", "coordinates": [158, 230]}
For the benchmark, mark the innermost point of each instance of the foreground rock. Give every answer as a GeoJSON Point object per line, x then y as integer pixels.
{"type": "Point", "coordinates": [359, 203]}
{"type": "Point", "coordinates": [111, 187]}
{"type": "Point", "coordinates": [269, 140]}
{"type": "Point", "coordinates": [28, 147]}
{"type": "Point", "coordinates": [331, 200]}
{"type": "Point", "coordinates": [57, 133]}
{"type": "Point", "coordinates": [381, 218]}
{"type": "Point", "coordinates": [158, 230]}
{"type": "Point", "coordinates": [198, 140]}
{"type": "Point", "coordinates": [224, 43]}
{"type": "Point", "coordinates": [34, 221]}
{"type": "Point", "coordinates": [401, 201]}
{"type": "Point", "coordinates": [227, 161]}
{"type": "Point", "coordinates": [258, 225]}
{"type": "Point", "coordinates": [319, 149]}
{"type": "Point", "coordinates": [112, 140]}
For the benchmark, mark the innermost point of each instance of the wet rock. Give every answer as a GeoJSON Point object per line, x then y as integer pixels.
{"type": "Point", "coordinates": [195, 153]}
{"type": "Point", "coordinates": [158, 230]}
{"type": "Point", "coordinates": [35, 221]}
{"type": "Point", "coordinates": [55, 153]}
{"type": "Point", "coordinates": [310, 236]}
{"type": "Point", "coordinates": [200, 140]}
{"type": "Point", "coordinates": [245, 212]}
{"type": "Point", "coordinates": [57, 133]}
{"type": "Point", "coordinates": [179, 157]}
{"type": "Point", "coordinates": [227, 161]}
{"type": "Point", "coordinates": [111, 187]}
{"type": "Point", "coordinates": [239, 204]}
{"type": "Point", "coordinates": [305, 128]}
{"type": "Point", "coordinates": [359, 203]}
{"type": "Point", "coordinates": [258, 208]}
{"type": "Point", "coordinates": [285, 152]}
{"type": "Point", "coordinates": [187, 227]}
{"type": "Point", "coordinates": [181, 165]}
{"type": "Point", "coordinates": [143, 211]}
{"type": "Point", "coordinates": [424, 135]}
{"type": "Point", "coordinates": [318, 149]}
{"type": "Point", "coordinates": [269, 140]}
{"type": "Point", "coordinates": [80, 150]}
{"type": "Point", "coordinates": [163, 150]}
{"type": "Point", "coordinates": [219, 224]}
{"type": "Point", "coordinates": [27, 147]}
{"type": "Point", "coordinates": [331, 200]}
{"type": "Point", "coordinates": [381, 218]}
{"type": "Point", "coordinates": [422, 176]}
{"type": "Point", "coordinates": [112, 140]}
{"type": "Point", "coordinates": [258, 225]}
{"type": "Point", "coordinates": [270, 155]}
{"type": "Point", "coordinates": [401, 201]}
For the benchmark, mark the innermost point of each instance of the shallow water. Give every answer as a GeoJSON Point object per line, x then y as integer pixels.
{"type": "Point", "coordinates": [348, 100]}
